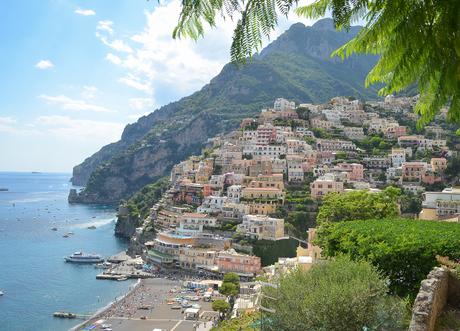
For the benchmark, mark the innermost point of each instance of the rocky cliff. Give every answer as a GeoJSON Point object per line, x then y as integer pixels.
{"type": "Point", "coordinates": [296, 66]}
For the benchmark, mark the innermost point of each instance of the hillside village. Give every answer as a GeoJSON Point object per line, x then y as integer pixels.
{"type": "Point", "coordinates": [261, 185]}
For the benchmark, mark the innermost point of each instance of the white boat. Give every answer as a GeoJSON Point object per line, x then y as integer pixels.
{"type": "Point", "coordinates": [80, 257]}
{"type": "Point", "coordinates": [1, 293]}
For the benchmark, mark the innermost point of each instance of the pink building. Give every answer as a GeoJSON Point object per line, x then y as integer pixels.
{"type": "Point", "coordinates": [355, 171]}
{"type": "Point", "coordinates": [231, 261]}
{"type": "Point", "coordinates": [413, 171]}
{"type": "Point", "coordinates": [266, 134]}
{"type": "Point", "coordinates": [396, 131]}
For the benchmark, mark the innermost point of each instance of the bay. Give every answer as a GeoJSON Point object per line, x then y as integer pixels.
{"type": "Point", "coordinates": [33, 275]}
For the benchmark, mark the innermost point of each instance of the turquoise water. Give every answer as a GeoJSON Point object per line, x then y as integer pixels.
{"type": "Point", "coordinates": [33, 274]}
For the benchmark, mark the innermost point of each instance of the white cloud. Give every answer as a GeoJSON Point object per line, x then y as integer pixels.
{"type": "Point", "coordinates": [89, 92]}
{"type": "Point", "coordinates": [85, 12]}
{"type": "Point", "coordinates": [116, 44]}
{"type": "Point", "coordinates": [113, 58]}
{"type": "Point", "coordinates": [154, 61]}
{"type": "Point", "coordinates": [137, 83]}
{"type": "Point", "coordinates": [9, 125]}
{"type": "Point", "coordinates": [141, 103]}
{"type": "Point", "coordinates": [106, 26]}
{"type": "Point", "coordinates": [44, 64]}
{"type": "Point", "coordinates": [73, 104]}
{"type": "Point", "coordinates": [81, 129]}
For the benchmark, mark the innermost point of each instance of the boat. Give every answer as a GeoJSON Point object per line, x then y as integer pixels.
{"type": "Point", "coordinates": [123, 278]}
{"type": "Point", "coordinates": [1, 293]}
{"type": "Point", "coordinates": [3, 189]}
{"type": "Point", "coordinates": [80, 257]}
{"type": "Point", "coordinates": [54, 229]}
{"type": "Point", "coordinates": [176, 307]}
{"type": "Point", "coordinates": [63, 314]}
{"type": "Point", "coordinates": [103, 265]}
{"type": "Point", "coordinates": [66, 235]}
{"type": "Point", "coordinates": [91, 227]}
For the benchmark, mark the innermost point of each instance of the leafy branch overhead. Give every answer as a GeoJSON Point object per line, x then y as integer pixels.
{"type": "Point", "coordinates": [418, 40]}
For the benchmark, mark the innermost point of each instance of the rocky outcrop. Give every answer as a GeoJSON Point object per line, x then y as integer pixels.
{"type": "Point", "coordinates": [126, 225]}
{"type": "Point", "coordinates": [441, 289]}
{"type": "Point", "coordinates": [430, 300]}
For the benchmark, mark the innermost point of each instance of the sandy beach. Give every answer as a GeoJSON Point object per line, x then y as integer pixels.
{"type": "Point", "coordinates": [145, 307]}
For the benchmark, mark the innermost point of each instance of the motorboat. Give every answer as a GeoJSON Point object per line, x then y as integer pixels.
{"type": "Point", "coordinates": [80, 257]}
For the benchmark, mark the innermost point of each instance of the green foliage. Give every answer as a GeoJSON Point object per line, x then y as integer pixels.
{"type": "Point", "coordinates": [140, 204]}
{"type": "Point", "coordinates": [221, 306]}
{"type": "Point", "coordinates": [303, 113]}
{"type": "Point", "coordinates": [453, 168]}
{"type": "Point", "coordinates": [229, 289]}
{"type": "Point", "coordinates": [335, 295]}
{"type": "Point", "coordinates": [403, 250]}
{"type": "Point", "coordinates": [233, 278]}
{"type": "Point", "coordinates": [243, 323]}
{"type": "Point", "coordinates": [411, 203]}
{"type": "Point", "coordinates": [358, 205]}
{"type": "Point", "coordinates": [321, 133]}
{"type": "Point", "coordinates": [269, 251]}
{"type": "Point", "coordinates": [230, 284]}
{"type": "Point", "coordinates": [418, 42]}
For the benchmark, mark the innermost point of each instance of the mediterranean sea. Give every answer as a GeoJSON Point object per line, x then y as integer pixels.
{"type": "Point", "coordinates": [33, 275]}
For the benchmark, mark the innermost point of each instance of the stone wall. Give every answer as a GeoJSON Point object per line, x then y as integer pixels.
{"type": "Point", "coordinates": [441, 288]}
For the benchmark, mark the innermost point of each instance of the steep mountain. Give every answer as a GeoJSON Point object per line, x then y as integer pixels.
{"type": "Point", "coordinates": [295, 66]}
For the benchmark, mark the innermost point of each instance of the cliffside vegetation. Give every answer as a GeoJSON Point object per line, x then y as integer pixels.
{"type": "Point", "coordinates": [133, 212]}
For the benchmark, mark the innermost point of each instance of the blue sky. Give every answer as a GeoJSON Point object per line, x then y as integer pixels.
{"type": "Point", "coordinates": [74, 73]}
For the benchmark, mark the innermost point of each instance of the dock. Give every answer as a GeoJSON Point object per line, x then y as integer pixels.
{"type": "Point", "coordinates": [125, 268]}
{"type": "Point", "coordinates": [65, 314]}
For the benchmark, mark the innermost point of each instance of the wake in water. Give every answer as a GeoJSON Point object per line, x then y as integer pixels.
{"type": "Point", "coordinates": [96, 223]}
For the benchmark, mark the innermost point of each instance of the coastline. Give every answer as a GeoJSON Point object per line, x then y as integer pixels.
{"type": "Point", "coordinates": [100, 312]}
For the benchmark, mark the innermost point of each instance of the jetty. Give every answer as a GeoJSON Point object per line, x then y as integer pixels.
{"type": "Point", "coordinates": [65, 314]}
{"type": "Point", "coordinates": [124, 267]}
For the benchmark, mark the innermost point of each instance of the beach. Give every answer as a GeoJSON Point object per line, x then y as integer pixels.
{"type": "Point", "coordinates": [145, 307]}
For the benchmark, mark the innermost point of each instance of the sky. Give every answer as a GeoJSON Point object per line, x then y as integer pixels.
{"type": "Point", "coordinates": [75, 72]}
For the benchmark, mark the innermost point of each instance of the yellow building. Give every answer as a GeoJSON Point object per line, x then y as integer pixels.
{"type": "Point", "coordinates": [195, 258]}
{"type": "Point", "coordinates": [262, 193]}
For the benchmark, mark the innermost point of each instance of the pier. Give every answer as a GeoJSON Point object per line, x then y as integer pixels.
{"type": "Point", "coordinates": [124, 267]}
{"type": "Point", "coordinates": [64, 314]}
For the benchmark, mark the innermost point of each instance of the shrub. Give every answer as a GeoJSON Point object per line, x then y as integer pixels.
{"type": "Point", "coordinates": [403, 250]}
{"type": "Point", "coordinates": [359, 205]}
{"type": "Point", "coordinates": [334, 295]}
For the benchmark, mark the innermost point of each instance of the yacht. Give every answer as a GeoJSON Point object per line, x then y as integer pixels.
{"type": "Point", "coordinates": [80, 257]}
{"type": "Point", "coordinates": [1, 293]}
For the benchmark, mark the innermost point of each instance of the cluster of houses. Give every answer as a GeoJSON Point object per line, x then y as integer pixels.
{"type": "Point", "coordinates": [239, 183]}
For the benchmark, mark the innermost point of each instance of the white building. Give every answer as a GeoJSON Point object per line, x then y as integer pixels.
{"type": "Point", "coordinates": [191, 223]}
{"type": "Point", "coordinates": [295, 168]}
{"type": "Point", "coordinates": [283, 105]}
{"type": "Point", "coordinates": [262, 227]}
{"type": "Point", "coordinates": [234, 193]}
{"type": "Point", "coordinates": [212, 204]}
{"type": "Point", "coordinates": [398, 157]}
{"type": "Point", "coordinates": [439, 205]}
